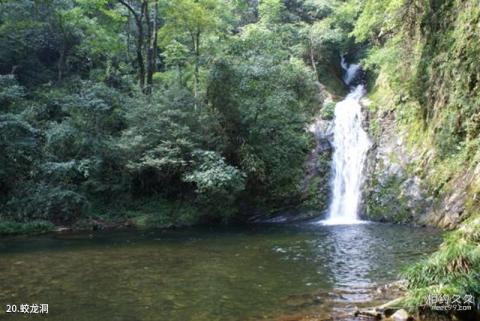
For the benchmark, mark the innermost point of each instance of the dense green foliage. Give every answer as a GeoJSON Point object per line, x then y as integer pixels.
{"type": "Point", "coordinates": [196, 107]}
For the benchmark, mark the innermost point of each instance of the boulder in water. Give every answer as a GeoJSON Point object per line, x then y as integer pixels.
{"type": "Point", "coordinates": [401, 315]}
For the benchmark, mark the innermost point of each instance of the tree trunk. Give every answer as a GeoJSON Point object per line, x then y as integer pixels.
{"type": "Point", "coordinates": [128, 35]}
{"type": "Point", "coordinates": [140, 61]}
{"type": "Point", "coordinates": [140, 38]}
{"type": "Point", "coordinates": [151, 46]}
{"type": "Point", "coordinates": [196, 48]}
{"type": "Point", "coordinates": [155, 37]}
{"type": "Point", "coordinates": [312, 59]}
{"type": "Point", "coordinates": [61, 64]}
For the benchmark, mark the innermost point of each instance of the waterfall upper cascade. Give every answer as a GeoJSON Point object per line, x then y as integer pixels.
{"type": "Point", "coordinates": [351, 144]}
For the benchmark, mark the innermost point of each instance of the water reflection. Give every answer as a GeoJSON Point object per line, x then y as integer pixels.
{"type": "Point", "coordinates": [256, 273]}
{"type": "Point", "coordinates": [351, 261]}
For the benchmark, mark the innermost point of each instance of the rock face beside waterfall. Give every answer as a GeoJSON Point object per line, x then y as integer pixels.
{"type": "Point", "coordinates": [390, 193]}
{"type": "Point", "coordinates": [316, 186]}
{"type": "Point", "coordinates": [395, 189]}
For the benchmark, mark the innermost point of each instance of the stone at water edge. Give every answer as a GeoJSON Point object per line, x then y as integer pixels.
{"type": "Point", "coordinates": [400, 315]}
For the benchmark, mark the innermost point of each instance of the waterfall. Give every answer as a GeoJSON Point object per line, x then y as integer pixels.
{"type": "Point", "coordinates": [350, 144]}
{"type": "Point", "coordinates": [350, 71]}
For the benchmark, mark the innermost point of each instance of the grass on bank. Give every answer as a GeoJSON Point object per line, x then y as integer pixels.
{"type": "Point", "coordinates": [453, 270]}
{"type": "Point", "coordinates": [33, 227]}
{"type": "Point", "coordinates": [145, 213]}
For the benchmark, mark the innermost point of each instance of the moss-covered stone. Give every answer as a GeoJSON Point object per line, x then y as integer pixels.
{"type": "Point", "coordinates": [317, 192]}
{"type": "Point", "coordinates": [386, 202]}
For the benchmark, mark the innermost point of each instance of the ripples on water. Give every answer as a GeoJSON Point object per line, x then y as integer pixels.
{"type": "Point", "coordinates": [254, 273]}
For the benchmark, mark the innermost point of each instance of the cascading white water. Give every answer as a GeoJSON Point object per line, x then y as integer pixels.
{"type": "Point", "coordinates": [351, 145]}
{"type": "Point", "coordinates": [350, 71]}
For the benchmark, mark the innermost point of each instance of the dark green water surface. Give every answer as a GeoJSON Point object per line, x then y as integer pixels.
{"type": "Point", "coordinates": [253, 273]}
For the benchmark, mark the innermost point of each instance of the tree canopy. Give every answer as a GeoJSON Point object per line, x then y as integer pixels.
{"type": "Point", "coordinates": [191, 103]}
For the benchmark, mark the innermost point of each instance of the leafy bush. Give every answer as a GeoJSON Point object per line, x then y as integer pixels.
{"type": "Point", "coordinates": [10, 91]}
{"type": "Point", "coordinates": [159, 141]}
{"type": "Point", "coordinates": [217, 183]}
{"type": "Point", "coordinates": [42, 202]}
{"type": "Point", "coordinates": [328, 111]}
{"type": "Point", "coordinates": [19, 146]}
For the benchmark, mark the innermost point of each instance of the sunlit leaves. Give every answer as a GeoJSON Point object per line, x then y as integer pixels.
{"type": "Point", "coordinates": [100, 27]}
{"type": "Point", "coordinates": [190, 16]}
{"type": "Point", "coordinates": [378, 18]}
{"type": "Point", "coordinates": [271, 11]}
{"type": "Point", "coordinates": [212, 175]}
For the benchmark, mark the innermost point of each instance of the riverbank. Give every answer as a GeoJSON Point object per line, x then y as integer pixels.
{"type": "Point", "coordinates": [143, 213]}
{"type": "Point", "coordinates": [11, 228]}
